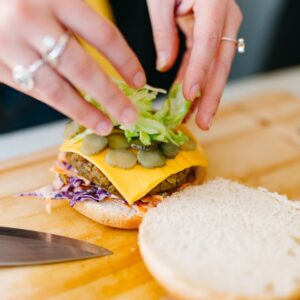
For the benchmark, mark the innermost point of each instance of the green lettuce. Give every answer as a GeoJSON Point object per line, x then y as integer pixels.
{"type": "Point", "coordinates": [150, 125]}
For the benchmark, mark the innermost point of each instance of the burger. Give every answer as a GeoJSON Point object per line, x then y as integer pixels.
{"type": "Point", "coordinates": [115, 179]}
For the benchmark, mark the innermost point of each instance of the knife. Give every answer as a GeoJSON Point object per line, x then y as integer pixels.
{"type": "Point", "coordinates": [20, 247]}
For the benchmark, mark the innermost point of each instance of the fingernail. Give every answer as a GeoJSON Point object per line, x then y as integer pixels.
{"type": "Point", "coordinates": [139, 79]}
{"type": "Point", "coordinates": [183, 8]}
{"type": "Point", "coordinates": [209, 121]}
{"type": "Point", "coordinates": [162, 60]}
{"type": "Point", "coordinates": [104, 128]}
{"type": "Point", "coordinates": [194, 92]}
{"type": "Point", "coordinates": [128, 116]}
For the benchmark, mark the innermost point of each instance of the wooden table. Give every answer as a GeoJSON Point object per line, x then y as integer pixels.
{"type": "Point", "coordinates": [256, 141]}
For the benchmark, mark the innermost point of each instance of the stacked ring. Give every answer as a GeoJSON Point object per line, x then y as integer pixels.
{"type": "Point", "coordinates": [24, 76]}
{"type": "Point", "coordinates": [54, 49]}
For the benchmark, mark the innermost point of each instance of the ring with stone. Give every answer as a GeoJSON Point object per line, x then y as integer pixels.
{"type": "Point", "coordinates": [240, 43]}
{"type": "Point", "coordinates": [24, 76]}
{"type": "Point", "coordinates": [53, 48]}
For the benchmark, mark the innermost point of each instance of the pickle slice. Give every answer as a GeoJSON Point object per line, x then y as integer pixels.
{"type": "Point", "coordinates": [189, 145]}
{"type": "Point", "coordinates": [93, 144]}
{"type": "Point", "coordinates": [117, 130]}
{"type": "Point", "coordinates": [121, 158]}
{"type": "Point", "coordinates": [151, 159]}
{"type": "Point", "coordinates": [169, 150]}
{"type": "Point", "coordinates": [138, 145]}
{"type": "Point", "coordinates": [117, 141]}
{"type": "Point", "coordinates": [71, 129]}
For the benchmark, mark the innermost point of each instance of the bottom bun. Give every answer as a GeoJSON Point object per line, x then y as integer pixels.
{"type": "Point", "coordinates": [111, 213]}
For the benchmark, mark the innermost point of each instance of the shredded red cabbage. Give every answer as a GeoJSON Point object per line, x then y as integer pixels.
{"type": "Point", "coordinates": [75, 190]}
{"type": "Point", "coordinates": [65, 165]}
{"type": "Point", "coordinates": [72, 188]}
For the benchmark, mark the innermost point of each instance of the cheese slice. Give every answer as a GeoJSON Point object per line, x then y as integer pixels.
{"type": "Point", "coordinates": [135, 183]}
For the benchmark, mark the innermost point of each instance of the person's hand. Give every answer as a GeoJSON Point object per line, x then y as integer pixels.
{"type": "Point", "coordinates": [23, 26]}
{"type": "Point", "coordinates": [207, 61]}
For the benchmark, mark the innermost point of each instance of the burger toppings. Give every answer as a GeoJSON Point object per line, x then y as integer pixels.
{"type": "Point", "coordinates": [70, 185]}
{"type": "Point", "coordinates": [86, 169]}
{"type": "Point", "coordinates": [76, 190]}
{"type": "Point", "coordinates": [138, 145]}
{"type": "Point", "coordinates": [189, 145]}
{"type": "Point", "coordinates": [118, 141]}
{"type": "Point", "coordinates": [93, 144]}
{"type": "Point", "coordinates": [169, 150]}
{"type": "Point", "coordinates": [148, 156]}
{"type": "Point", "coordinates": [72, 129]}
{"type": "Point", "coordinates": [151, 159]}
{"type": "Point", "coordinates": [153, 130]}
{"type": "Point", "coordinates": [121, 158]}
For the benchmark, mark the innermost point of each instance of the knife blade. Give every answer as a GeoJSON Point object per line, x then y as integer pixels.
{"type": "Point", "coordinates": [21, 247]}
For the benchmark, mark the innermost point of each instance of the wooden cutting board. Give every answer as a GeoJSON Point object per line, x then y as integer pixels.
{"type": "Point", "coordinates": [256, 141]}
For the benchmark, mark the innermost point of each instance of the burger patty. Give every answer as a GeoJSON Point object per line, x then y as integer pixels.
{"type": "Point", "coordinates": [89, 171]}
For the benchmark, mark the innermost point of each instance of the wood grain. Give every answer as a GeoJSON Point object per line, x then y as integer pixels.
{"type": "Point", "coordinates": [256, 141]}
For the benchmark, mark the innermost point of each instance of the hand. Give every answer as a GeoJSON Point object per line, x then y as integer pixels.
{"type": "Point", "coordinates": [207, 61]}
{"type": "Point", "coordinates": [24, 24]}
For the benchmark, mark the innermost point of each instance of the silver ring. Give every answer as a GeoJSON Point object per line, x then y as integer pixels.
{"type": "Point", "coordinates": [53, 49]}
{"type": "Point", "coordinates": [240, 43]}
{"type": "Point", "coordinates": [24, 76]}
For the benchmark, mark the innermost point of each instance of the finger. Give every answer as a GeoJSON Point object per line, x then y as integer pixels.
{"type": "Point", "coordinates": [5, 76]}
{"type": "Point", "coordinates": [219, 72]}
{"type": "Point", "coordinates": [78, 16]}
{"type": "Point", "coordinates": [7, 79]}
{"type": "Point", "coordinates": [184, 7]}
{"type": "Point", "coordinates": [83, 72]}
{"type": "Point", "coordinates": [164, 32]}
{"type": "Point", "coordinates": [192, 110]}
{"type": "Point", "coordinates": [209, 23]}
{"type": "Point", "coordinates": [53, 90]}
{"type": "Point", "coordinates": [179, 78]}
{"type": "Point", "coordinates": [183, 66]}
{"type": "Point", "coordinates": [186, 25]}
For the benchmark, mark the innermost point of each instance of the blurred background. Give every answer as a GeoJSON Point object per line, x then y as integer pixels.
{"type": "Point", "coordinates": [269, 28]}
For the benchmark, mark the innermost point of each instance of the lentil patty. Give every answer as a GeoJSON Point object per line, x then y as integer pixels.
{"type": "Point", "coordinates": [89, 171]}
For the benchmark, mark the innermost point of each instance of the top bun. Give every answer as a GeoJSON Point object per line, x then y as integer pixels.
{"type": "Point", "coordinates": [223, 240]}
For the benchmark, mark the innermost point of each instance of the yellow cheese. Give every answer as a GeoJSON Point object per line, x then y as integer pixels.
{"type": "Point", "coordinates": [135, 183]}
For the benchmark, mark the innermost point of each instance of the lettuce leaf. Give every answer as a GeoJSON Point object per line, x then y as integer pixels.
{"type": "Point", "coordinates": [150, 125]}
{"type": "Point", "coordinates": [174, 108]}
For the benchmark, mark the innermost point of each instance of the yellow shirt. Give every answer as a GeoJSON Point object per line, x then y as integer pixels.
{"type": "Point", "coordinates": [103, 8]}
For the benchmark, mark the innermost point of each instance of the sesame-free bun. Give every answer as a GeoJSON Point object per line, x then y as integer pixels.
{"type": "Point", "coordinates": [223, 240]}
{"type": "Point", "coordinates": [111, 213]}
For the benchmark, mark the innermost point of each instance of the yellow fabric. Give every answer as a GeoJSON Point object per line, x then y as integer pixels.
{"type": "Point", "coordinates": [102, 7]}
